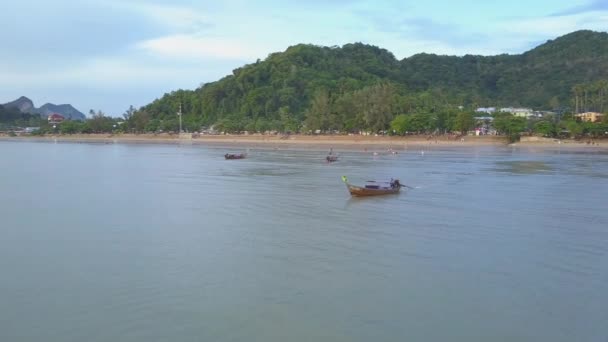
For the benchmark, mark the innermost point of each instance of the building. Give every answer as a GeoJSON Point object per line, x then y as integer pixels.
{"type": "Point", "coordinates": [488, 110]}
{"type": "Point", "coordinates": [55, 119]}
{"type": "Point", "coordinates": [484, 125]}
{"type": "Point", "coordinates": [521, 112]}
{"type": "Point", "coordinates": [589, 116]}
{"type": "Point", "coordinates": [30, 129]}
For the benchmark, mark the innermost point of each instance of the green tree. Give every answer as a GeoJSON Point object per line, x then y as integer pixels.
{"type": "Point", "coordinates": [129, 113]}
{"type": "Point", "coordinates": [575, 128]}
{"type": "Point", "coordinates": [545, 128]}
{"type": "Point", "coordinates": [464, 122]}
{"type": "Point", "coordinates": [317, 114]}
{"type": "Point", "coordinates": [152, 126]}
{"type": "Point", "coordinates": [170, 125]}
{"type": "Point", "coordinates": [423, 122]}
{"type": "Point", "coordinates": [446, 119]}
{"type": "Point", "coordinates": [376, 105]}
{"type": "Point", "coordinates": [140, 120]}
{"type": "Point", "coordinates": [288, 121]}
{"type": "Point", "coordinates": [510, 125]}
{"type": "Point", "coordinates": [400, 124]}
{"type": "Point", "coordinates": [99, 122]}
{"type": "Point", "coordinates": [70, 127]}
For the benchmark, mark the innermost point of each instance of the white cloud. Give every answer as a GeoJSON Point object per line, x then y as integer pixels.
{"type": "Point", "coordinates": [181, 46]}
{"type": "Point", "coordinates": [196, 32]}
{"type": "Point", "coordinates": [555, 26]}
{"type": "Point", "coordinates": [110, 83]}
{"type": "Point", "coordinates": [106, 72]}
{"type": "Point", "coordinates": [174, 17]}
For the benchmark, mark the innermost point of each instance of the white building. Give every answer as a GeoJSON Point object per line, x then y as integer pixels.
{"type": "Point", "coordinates": [488, 110]}
{"type": "Point", "coordinates": [521, 112]}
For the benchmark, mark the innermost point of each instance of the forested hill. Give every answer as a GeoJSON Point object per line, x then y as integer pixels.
{"type": "Point", "coordinates": [531, 79]}
{"type": "Point", "coordinates": [361, 86]}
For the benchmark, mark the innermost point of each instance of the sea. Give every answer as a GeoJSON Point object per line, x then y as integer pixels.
{"type": "Point", "coordinates": [152, 242]}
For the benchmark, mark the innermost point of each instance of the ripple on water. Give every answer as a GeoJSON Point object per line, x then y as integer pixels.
{"type": "Point", "coordinates": [525, 167]}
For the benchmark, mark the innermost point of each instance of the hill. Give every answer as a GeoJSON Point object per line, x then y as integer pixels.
{"type": "Point", "coordinates": [23, 104]}
{"type": "Point", "coordinates": [26, 106]}
{"type": "Point", "coordinates": [361, 86]}
{"type": "Point", "coordinates": [66, 110]}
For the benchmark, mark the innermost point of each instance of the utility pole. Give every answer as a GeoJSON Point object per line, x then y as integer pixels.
{"type": "Point", "coordinates": [180, 118]}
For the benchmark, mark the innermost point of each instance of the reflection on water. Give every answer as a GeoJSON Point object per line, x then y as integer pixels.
{"type": "Point", "coordinates": [151, 243]}
{"type": "Point", "coordinates": [523, 167]}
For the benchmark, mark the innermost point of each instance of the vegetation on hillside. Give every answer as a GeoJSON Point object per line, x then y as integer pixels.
{"type": "Point", "coordinates": [359, 87]}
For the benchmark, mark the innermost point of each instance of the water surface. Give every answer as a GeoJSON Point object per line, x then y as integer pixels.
{"type": "Point", "coordinates": [110, 242]}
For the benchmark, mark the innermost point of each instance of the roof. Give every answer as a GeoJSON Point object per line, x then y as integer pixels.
{"type": "Point", "coordinates": [56, 116]}
{"type": "Point", "coordinates": [588, 113]}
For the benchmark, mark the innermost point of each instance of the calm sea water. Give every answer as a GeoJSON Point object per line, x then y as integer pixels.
{"type": "Point", "coordinates": [173, 243]}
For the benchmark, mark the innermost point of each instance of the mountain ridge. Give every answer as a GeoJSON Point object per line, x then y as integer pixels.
{"type": "Point", "coordinates": [26, 105]}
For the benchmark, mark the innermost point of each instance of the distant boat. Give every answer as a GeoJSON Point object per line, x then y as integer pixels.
{"type": "Point", "coordinates": [373, 188]}
{"type": "Point", "coordinates": [235, 156]}
{"type": "Point", "coordinates": [331, 158]}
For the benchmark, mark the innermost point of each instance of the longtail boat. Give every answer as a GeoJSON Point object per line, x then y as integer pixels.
{"type": "Point", "coordinates": [331, 158]}
{"type": "Point", "coordinates": [235, 156]}
{"type": "Point", "coordinates": [373, 188]}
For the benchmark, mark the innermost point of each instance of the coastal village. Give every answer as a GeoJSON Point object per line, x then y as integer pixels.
{"type": "Point", "coordinates": [484, 117]}
{"type": "Point", "coordinates": [484, 123]}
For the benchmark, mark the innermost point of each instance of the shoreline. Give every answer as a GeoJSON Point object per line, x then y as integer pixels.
{"type": "Point", "coordinates": [319, 141]}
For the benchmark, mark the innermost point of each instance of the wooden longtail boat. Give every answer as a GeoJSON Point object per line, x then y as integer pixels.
{"type": "Point", "coordinates": [373, 188]}
{"type": "Point", "coordinates": [235, 156]}
{"type": "Point", "coordinates": [331, 158]}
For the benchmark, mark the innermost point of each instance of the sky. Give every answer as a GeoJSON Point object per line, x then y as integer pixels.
{"type": "Point", "coordinates": [110, 54]}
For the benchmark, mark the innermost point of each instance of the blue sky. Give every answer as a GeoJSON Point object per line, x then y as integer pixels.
{"type": "Point", "coordinates": [109, 54]}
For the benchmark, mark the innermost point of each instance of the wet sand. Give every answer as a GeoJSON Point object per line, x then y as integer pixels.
{"type": "Point", "coordinates": [356, 142]}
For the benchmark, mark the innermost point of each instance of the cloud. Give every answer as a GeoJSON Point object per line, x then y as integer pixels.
{"type": "Point", "coordinates": [63, 32]}
{"type": "Point", "coordinates": [496, 36]}
{"type": "Point", "coordinates": [170, 17]}
{"type": "Point", "coordinates": [447, 33]}
{"type": "Point", "coordinates": [109, 83]}
{"type": "Point", "coordinates": [318, 5]}
{"type": "Point", "coordinates": [553, 26]}
{"type": "Point", "coordinates": [183, 46]}
{"type": "Point", "coordinates": [592, 6]}
{"type": "Point", "coordinates": [408, 35]}
{"type": "Point", "coordinates": [522, 34]}
{"type": "Point", "coordinates": [194, 33]}
{"type": "Point", "coordinates": [119, 72]}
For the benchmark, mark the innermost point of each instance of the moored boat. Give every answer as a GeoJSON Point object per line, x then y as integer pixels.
{"type": "Point", "coordinates": [373, 188]}
{"type": "Point", "coordinates": [331, 157]}
{"type": "Point", "coordinates": [235, 155]}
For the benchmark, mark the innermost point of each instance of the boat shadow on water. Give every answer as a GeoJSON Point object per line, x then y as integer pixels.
{"type": "Point", "coordinates": [380, 201]}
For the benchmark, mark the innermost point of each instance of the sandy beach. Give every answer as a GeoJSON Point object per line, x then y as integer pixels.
{"type": "Point", "coordinates": [356, 142]}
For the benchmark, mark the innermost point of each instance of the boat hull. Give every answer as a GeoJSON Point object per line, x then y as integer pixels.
{"type": "Point", "coordinates": [234, 156]}
{"type": "Point", "coordinates": [362, 192]}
